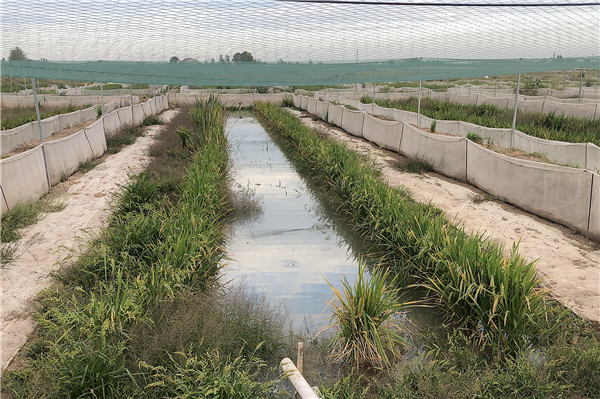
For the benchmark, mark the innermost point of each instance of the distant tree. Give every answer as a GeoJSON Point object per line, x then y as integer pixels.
{"type": "Point", "coordinates": [212, 60]}
{"type": "Point", "coordinates": [243, 57]}
{"type": "Point", "coordinates": [227, 59]}
{"type": "Point", "coordinates": [174, 60]}
{"type": "Point", "coordinates": [17, 54]}
{"type": "Point", "coordinates": [221, 59]}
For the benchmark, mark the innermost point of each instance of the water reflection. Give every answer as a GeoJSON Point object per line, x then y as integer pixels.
{"type": "Point", "coordinates": [288, 251]}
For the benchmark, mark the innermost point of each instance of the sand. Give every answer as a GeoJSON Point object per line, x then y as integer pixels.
{"type": "Point", "coordinates": [46, 244]}
{"type": "Point", "coordinates": [568, 264]}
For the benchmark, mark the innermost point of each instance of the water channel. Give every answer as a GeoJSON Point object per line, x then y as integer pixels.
{"type": "Point", "coordinates": [289, 249]}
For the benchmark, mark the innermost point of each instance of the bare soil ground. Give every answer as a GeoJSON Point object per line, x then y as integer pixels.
{"type": "Point", "coordinates": [45, 245]}
{"type": "Point", "coordinates": [568, 263]}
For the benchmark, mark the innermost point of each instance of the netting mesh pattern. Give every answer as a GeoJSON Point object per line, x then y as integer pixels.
{"type": "Point", "coordinates": [293, 31]}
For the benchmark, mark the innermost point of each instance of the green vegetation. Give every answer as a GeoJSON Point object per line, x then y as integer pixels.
{"type": "Point", "coordinates": [503, 337]}
{"type": "Point", "coordinates": [417, 242]}
{"type": "Point", "coordinates": [363, 317]}
{"type": "Point", "coordinates": [122, 138]}
{"type": "Point", "coordinates": [152, 120]}
{"type": "Point", "coordinates": [547, 126]}
{"type": "Point", "coordinates": [416, 165]}
{"type": "Point", "coordinates": [141, 313]}
{"type": "Point", "coordinates": [16, 218]}
{"type": "Point", "coordinates": [15, 117]}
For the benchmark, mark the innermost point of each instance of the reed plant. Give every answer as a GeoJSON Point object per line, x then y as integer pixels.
{"type": "Point", "coordinates": [363, 314]}
{"type": "Point", "coordinates": [497, 294]}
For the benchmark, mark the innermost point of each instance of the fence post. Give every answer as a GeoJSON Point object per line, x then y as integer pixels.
{"type": "Point", "coordinates": [580, 83]}
{"type": "Point", "coordinates": [514, 121]}
{"type": "Point", "coordinates": [419, 102]}
{"type": "Point", "coordinates": [131, 91]}
{"type": "Point", "coordinates": [39, 121]}
{"type": "Point", "coordinates": [373, 104]}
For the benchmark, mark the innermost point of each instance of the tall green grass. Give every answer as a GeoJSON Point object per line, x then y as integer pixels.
{"type": "Point", "coordinates": [480, 288]}
{"type": "Point", "coordinates": [157, 250]}
{"type": "Point", "coordinates": [547, 126]}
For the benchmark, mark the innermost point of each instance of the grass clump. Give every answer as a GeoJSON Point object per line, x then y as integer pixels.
{"type": "Point", "coordinates": [152, 120]}
{"type": "Point", "coordinates": [363, 316]}
{"type": "Point", "coordinates": [287, 101]}
{"type": "Point", "coordinates": [366, 99]}
{"type": "Point", "coordinates": [122, 138]}
{"type": "Point", "coordinates": [415, 165]}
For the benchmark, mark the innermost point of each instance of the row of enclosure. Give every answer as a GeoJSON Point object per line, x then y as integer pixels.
{"type": "Point", "coordinates": [565, 195]}
{"type": "Point", "coordinates": [525, 103]}
{"type": "Point", "coordinates": [27, 176]}
{"type": "Point", "coordinates": [12, 138]}
{"type": "Point", "coordinates": [585, 155]}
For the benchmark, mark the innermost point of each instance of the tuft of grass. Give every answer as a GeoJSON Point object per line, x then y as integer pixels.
{"type": "Point", "coordinates": [14, 117]}
{"type": "Point", "coordinates": [23, 215]}
{"type": "Point", "coordinates": [85, 167]}
{"type": "Point", "coordinates": [363, 316]}
{"type": "Point", "coordinates": [474, 137]}
{"type": "Point", "coordinates": [287, 101]}
{"type": "Point", "coordinates": [415, 165]}
{"type": "Point", "coordinates": [152, 120]}
{"type": "Point", "coordinates": [366, 99]}
{"type": "Point", "coordinates": [122, 138]}
{"type": "Point", "coordinates": [433, 126]}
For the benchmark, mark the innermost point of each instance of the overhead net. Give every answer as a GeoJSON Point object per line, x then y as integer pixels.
{"type": "Point", "coordinates": [261, 42]}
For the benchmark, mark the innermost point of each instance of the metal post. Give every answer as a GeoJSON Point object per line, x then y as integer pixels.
{"type": "Point", "coordinates": [580, 83]}
{"type": "Point", "coordinates": [131, 91]}
{"type": "Point", "coordinates": [514, 121]}
{"type": "Point", "coordinates": [469, 86]}
{"type": "Point", "coordinates": [496, 86]}
{"type": "Point", "coordinates": [373, 105]}
{"type": "Point", "coordinates": [564, 79]}
{"type": "Point", "coordinates": [11, 85]}
{"type": "Point", "coordinates": [102, 96]}
{"type": "Point", "coordinates": [419, 102]}
{"type": "Point", "coordinates": [338, 94]}
{"type": "Point", "coordinates": [597, 78]}
{"type": "Point", "coordinates": [39, 120]}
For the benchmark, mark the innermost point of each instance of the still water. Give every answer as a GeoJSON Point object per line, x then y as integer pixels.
{"type": "Point", "coordinates": [290, 248]}
{"type": "Point", "coordinates": [294, 244]}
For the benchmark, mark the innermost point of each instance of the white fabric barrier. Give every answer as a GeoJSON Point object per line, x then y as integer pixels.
{"type": "Point", "coordinates": [566, 153]}
{"type": "Point", "coordinates": [322, 109]}
{"type": "Point", "coordinates": [531, 106]}
{"type": "Point", "coordinates": [112, 123]}
{"type": "Point", "coordinates": [463, 99]}
{"type": "Point", "coordinates": [311, 106]}
{"type": "Point", "coordinates": [125, 116]}
{"type": "Point", "coordinates": [304, 103]}
{"type": "Point", "coordinates": [592, 157]}
{"type": "Point", "coordinates": [50, 125]}
{"type": "Point", "coordinates": [561, 152]}
{"type": "Point", "coordinates": [65, 155]}
{"type": "Point", "coordinates": [446, 154]}
{"type": "Point", "coordinates": [594, 218]}
{"type": "Point", "coordinates": [554, 192]}
{"type": "Point", "coordinates": [578, 110]}
{"type": "Point", "coordinates": [334, 117]}
{"type": "Point", "coordinates": [153, 107]}
{"type": "Point", "coordinates": [352, 121]}
{"type": "Point", "coordinates": [71, 119]}
{"type": "Point", "coordinates": [23, 178]}
{"type": "Point", "coordinates": [138, 114]}
{"type": "Point", "coordinates": [386, 134]}
{"type": "Point", "coordinates": [147, 108]}
{"type": "Point", "coordinates": [97, 138]}
{"type": "Point", "coordinates": [297, 100]}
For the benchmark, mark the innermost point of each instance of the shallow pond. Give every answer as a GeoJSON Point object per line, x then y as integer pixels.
{"type": "Point", "coordinates": [294, 244]}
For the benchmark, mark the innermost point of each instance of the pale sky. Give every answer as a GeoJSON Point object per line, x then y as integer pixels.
{"type": "Point", "coordinates": [151, 30]}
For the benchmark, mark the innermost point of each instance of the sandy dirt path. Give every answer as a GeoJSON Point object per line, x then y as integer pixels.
{"type": "Point", "coordinates": [45, 244]}
{"type": "Point", "coordinates": [568, 264]}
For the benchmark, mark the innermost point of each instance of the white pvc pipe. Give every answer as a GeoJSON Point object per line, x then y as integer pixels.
{"type": "Point", "coordinates": [297, 380]}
